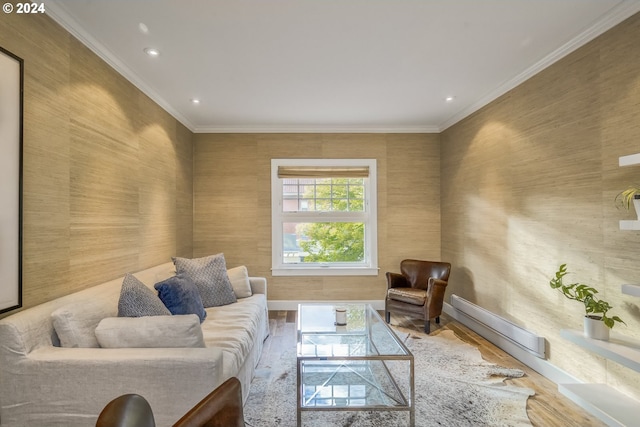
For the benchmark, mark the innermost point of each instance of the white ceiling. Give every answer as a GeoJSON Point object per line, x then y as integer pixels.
{"type": "Point", "coordinates": [332, 65]}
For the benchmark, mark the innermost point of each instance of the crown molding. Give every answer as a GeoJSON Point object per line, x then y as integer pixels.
{"type": "Point", "coordinates": [58, 14]}
{"type": "Point", "coordinates": [316, 129]}
{"type": "Point", "coordinates": [616, 15]}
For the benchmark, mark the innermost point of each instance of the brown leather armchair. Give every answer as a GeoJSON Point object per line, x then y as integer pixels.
{"type": "Point", "coordinates": [220, 408]}
{"type": "Point", "coordinates": [418, 290]}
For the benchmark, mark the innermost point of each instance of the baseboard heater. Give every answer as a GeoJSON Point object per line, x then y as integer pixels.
{"type": "Point", "coordinates": [521, 337]}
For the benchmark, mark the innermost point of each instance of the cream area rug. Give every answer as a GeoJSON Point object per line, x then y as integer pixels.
{"type": "Point", "coordinates": [454, 387]}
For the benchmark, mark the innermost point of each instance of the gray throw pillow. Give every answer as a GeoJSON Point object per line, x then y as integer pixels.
{"type": "Point", "coordinates": [210, 276]}
{"type": "Point", "coordinates": [137, 300]}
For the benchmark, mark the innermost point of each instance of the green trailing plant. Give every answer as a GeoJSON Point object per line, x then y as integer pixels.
{"type": "Point", "coordinates": [624, 198]}
{"type": "Point", "coordinates": [594, 307]}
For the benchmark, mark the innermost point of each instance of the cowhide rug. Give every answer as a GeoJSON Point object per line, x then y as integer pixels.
{"type": "Point", "coordinates": [454, 387]}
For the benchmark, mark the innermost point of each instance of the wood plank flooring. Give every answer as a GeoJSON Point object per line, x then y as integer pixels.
{"type": "Point", "coordinates": [548, 408]}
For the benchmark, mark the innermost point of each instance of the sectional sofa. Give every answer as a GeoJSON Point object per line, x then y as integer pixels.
{"type": "Point", "coordinates": [173, 361]}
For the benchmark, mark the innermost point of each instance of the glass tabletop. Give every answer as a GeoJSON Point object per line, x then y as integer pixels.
{"type": "Point", "coordinates": [364, 335]}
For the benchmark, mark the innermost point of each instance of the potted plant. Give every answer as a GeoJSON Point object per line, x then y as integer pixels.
{"type": "Point", "coordinates": [631, 194]}
{"type": "Point", "coordinates": [596, 321]}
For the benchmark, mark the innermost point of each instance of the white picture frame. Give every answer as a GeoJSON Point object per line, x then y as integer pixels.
{"type": "Point", "coordinates": [11, 103]}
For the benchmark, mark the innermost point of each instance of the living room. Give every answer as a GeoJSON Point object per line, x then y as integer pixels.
{"type": "Point", "coordinates": [113, 183]}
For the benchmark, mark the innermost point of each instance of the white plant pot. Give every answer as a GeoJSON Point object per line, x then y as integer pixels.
{"type": "Point", "coordinates": [636, 205]}
{"type": "Point", "coordinates": [596, 329]}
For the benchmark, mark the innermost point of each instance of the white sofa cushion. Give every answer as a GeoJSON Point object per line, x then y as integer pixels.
{"type": "Point", "coordinates": [75, 324]}
{"type": "Point", "coordinates": [234, 329]}
{"type": "Point", "coordinates": [150, 332]}
{"type": "Point", "coordinates": [239, 277]}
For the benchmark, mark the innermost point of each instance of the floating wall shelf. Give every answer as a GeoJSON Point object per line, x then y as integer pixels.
{"type": "Point", "coordinates": [632, 224]}
{"type": "Point", "coordinates": [631, 290]}
{"type": "Point", "coordinates": [608, 404]}
{"type": "Point", "coordinates": [630, 160]}
{"type": "Point", "coordinates": [622, 350]}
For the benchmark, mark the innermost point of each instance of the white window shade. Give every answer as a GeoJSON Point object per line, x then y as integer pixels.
{"type": "Point", "coordinates": [323, 171]}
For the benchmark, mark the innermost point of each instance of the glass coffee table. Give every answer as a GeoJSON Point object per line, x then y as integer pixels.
{"type": "Point", "coordinates": [360, 366]}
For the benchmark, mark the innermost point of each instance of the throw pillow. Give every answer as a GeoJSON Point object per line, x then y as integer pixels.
{"type": "Point", "coordinates": [75, 323]}
{"type": "Point", "coordinates": [181, 296]}
{"type": "Point", "coordinates": [150, 332]}
{"type": "Point", "coordinates": [210, 276]}
{"type": "Point", "coordinates": [137, 300]}
{"type": "Point", "coordinates": [239, 277]}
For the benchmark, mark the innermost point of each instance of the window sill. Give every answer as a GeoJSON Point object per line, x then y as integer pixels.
{"type": "Point", "coordinates": [324, 271]}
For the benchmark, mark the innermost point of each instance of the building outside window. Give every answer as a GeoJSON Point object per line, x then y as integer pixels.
{"type": "Point", "coordinates": [324, 218]}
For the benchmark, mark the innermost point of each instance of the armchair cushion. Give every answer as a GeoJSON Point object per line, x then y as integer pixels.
{"type": "Point", "coordinates": [408, 295]}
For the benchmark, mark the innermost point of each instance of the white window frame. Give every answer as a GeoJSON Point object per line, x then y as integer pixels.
{"type": "Point", "coordinates": [370, 217]}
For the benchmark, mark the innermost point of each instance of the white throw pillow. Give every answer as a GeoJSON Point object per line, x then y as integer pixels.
{"type": "Point", "coordinates": [75, 323]}
{"type": "Point", "coordinates": [150, 332]}
{"type": "Point", "coordinates": [239, 277]}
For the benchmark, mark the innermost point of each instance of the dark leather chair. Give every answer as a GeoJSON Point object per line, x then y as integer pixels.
{"type": "Point", "coordinates": [129, 410]}
{"type": "Point", "coordinates": [418, 290]}
{"type": "Point", "coordinates": [220, 408]}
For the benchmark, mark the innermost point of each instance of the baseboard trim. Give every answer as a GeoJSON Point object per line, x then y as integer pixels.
{"type": "Point", "coordinates": [543, 367]}
{"type": "Point", "coordinates": [279, 305]}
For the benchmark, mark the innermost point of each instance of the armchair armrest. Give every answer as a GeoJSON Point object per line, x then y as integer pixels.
{"type": "Point", "coordinates": [435, 294]}
{"type": "Point", "coordinates": [396, 280]}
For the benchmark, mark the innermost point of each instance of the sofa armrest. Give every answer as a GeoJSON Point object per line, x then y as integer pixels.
{"type": "Point", "coordinates": [76, 383]}
{"type": "Point", "coordinates": [258, 285]}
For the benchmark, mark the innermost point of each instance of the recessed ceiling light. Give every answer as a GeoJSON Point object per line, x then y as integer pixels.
{"type": "Point", "coordinates": [151, 51]}
{"type": "Point", "coordinates": [143, 28]}
{"type": "Point", "coordinates": [450, 98]}
{"type": "Point", "coordinates": [195, 101]}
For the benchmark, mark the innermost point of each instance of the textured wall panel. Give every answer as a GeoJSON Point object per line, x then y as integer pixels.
{"type": "Point", "coordinates": [528, 183]}
{"type": "Point", "coordinates": [107, 173]}
{"type": "Point", "coordinates": [232, 194]}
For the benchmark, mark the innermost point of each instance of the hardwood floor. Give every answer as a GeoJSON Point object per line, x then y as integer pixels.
{"type": "Point", "coordinates": [548, 408]}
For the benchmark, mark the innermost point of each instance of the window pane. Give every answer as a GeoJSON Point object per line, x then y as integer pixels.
{"type": "Point", "coordinates": [312, 242]}
{"type": "Point", "coordinates": [325, 194]}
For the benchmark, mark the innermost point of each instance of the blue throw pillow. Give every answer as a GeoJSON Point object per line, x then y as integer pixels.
{"type": "Point", "coordinates": [181, 296]}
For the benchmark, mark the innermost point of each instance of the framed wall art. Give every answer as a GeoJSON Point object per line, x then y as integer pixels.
{"type": "Point", "coordinates": [11, 101]}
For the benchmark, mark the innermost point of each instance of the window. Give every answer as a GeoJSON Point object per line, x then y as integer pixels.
{"type": "Point", "coordinates": [324, 217]}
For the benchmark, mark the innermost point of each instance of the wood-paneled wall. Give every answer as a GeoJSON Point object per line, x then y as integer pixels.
{"type": "Point", "coordinates": [107, 173]}
{"type": "Point", "coordinates": [232, 198]}
{"type": "Point", "coordinates": [529, 182]}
